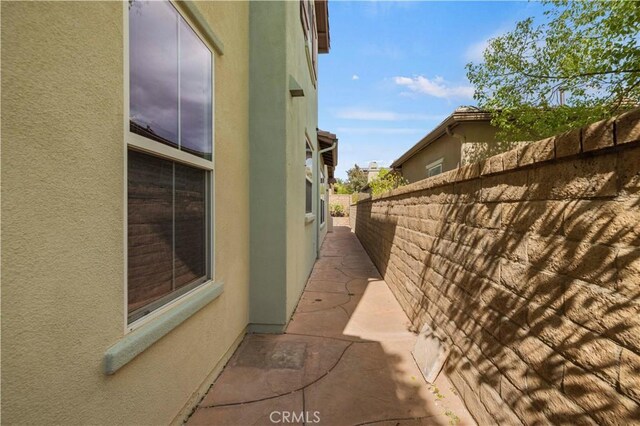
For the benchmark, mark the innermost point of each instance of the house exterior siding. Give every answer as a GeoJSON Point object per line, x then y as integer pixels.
{"type": "Point", "coordinates": [447, 147]}
{"type": "Point", "coordinates": [284, 240]}
{"type": "Point", "coordinates": [456, 141]}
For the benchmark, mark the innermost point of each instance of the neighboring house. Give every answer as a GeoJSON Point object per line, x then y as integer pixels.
{"type": "Point", "coordinates": [448, 146]}
{"type": "Point", "coordinates": [372, 171]}
{"type": "Point", "coordinates": [162, 184]}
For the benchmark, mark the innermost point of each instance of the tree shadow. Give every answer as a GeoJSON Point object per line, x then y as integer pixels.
{"type": "Point", "coordinates": [532, 277]}
{"type": "Point", "coordinates": [345, 356]}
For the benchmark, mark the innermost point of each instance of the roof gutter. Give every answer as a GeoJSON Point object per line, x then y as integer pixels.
{"type": "Point", "coordinates": [331, 148]}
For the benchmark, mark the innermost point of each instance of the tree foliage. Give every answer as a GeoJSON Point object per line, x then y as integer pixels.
{"type": "Point", "coordinates": [386, 181]}
{"type": "Point", "coordinates": [341, 187]}
{"type": "Point", "coordinates": [588, 51]}
{"type": "Point", "coordinates": [356, 179]}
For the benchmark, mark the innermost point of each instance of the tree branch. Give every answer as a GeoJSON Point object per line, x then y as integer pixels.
{"type": "Point", "coordinates": [569, 77]}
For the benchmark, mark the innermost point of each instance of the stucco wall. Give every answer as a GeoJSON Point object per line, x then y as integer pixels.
{"type": "Point", "coordinates": [280, 260]}
{"type": "Point", "coordinates": [302, 117]}
{"type": "Point", "coordinates": [450, 148]}
{"type": "Point", "coordinates": [414, 169]}
{"type": "Point", "coordinates": [268, 89]}
{"type": "Point", "coordinates": [528, 265]}
{"type": "Point", "coordinates": [63, 195]}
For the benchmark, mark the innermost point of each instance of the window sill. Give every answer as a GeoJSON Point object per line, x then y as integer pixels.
{"type": "Point", "coordinates": [322, 225]}
{"type": "Point", "coordinates": [309, 217]}
{"type": "Point", "coordinates": [140, 339]}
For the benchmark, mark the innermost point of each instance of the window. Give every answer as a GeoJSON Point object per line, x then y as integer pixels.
{"type": "Point", "coordinates": [434, 168]}
{"type": "Point", "coordinates": [169, 158]}
{"type": "Point", "coordinates": [309, 28]}
{"type": "Point", "coordinates": [323, 192]}
{"type": "Point", "coordinates": [309, 177]}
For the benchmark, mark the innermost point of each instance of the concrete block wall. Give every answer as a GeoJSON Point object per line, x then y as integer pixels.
{"type": "Point", "coordinates": [528, 263]}
{"type": "Point", "coordinates": [342, 199]}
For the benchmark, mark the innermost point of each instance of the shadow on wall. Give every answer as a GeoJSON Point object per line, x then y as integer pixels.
{"type": "Point", "coordinates": [533, 275]}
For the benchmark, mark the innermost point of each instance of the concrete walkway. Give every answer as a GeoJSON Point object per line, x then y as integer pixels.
{"type": "Point", "coordinates": [345, 358]}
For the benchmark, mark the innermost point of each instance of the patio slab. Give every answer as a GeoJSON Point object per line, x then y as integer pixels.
{"type": "Point", "coordinates": [345, 358]}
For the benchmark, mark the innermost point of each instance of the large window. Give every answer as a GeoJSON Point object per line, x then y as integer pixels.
{"type": "Point", "coordinates": [309, 177]}
{"type": "Point", "coordinates": [170, 149]}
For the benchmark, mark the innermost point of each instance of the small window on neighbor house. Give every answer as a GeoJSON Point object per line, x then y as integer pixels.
{"type": "Point", "coordinates": [434, 168]}
{"type": "Point", "coordinates": [169, 160]}
{"type": "Point", "coordinates": [309, 177]}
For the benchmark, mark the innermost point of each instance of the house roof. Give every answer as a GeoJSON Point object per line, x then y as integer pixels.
{"type": "Point", "coordinates": [322, 24]}
{"type": "Point", "coordinates": [330, 158]}
{"type": "Point", "coordinates": [460, 115]}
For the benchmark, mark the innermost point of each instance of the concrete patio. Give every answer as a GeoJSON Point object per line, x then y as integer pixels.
{"type": "Point", "coordinates": [345, 358]}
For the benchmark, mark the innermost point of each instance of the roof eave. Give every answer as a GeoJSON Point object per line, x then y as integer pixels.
{"type": "Point", "coordinates": [441, 129]}
{"type": "Point", "coordinates": [322, 24]}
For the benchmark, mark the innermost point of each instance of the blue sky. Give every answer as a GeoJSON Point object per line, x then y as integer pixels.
{"type": "Point", "coordinates": [397, 69]}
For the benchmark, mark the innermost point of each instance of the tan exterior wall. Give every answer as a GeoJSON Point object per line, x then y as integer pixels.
{"type": "Point", "coordinates": [451, 148]}
{"type": "Point", "coordinates": [63, 195]}
{"type": "Point", "coordinates": [414, 169]}
{"type": "Point", "coordinates": [528, 265]}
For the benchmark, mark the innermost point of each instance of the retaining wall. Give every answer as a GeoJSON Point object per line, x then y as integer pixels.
{"type": "Point", "coordinates": [528, 264]}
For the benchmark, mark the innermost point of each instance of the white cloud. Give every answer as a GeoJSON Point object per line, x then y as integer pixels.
{"type": "Point", "coordinates": [380, 130]}
{"type": "Point", "coordinates": [371, 115]}
{"type": "Point", "coordinates": [437, 87]}
{"type": "Point", "coordinates": [355, 77]}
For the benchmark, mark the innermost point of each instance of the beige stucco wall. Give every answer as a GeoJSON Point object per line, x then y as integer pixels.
{"type": "Point", "coordinates": [448, 147]}
{"type": "Point", "coordinates": [479, 142]}
{"type": "Point", "coordinates": [414, 169]}
{"type": "Point", "coordinates": [63, 167]}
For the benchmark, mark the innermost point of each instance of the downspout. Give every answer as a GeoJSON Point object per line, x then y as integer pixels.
{"type": "Point", "coordinates": [459, 136]}
{"type": "Point", "coordinates": [326, 218]}
{"type": "Point", "coordinates": [331, 148]}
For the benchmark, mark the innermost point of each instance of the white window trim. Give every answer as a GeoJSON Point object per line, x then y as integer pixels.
{"type": "Point", "coordinates": [433, 165]}
{"type": "Point", "coordinates": [308, 43]}
{"type": "Point", "coordinates": [142, 144]}
{"type": "Point", "coordinates": [322, 211]}
{"type": "Point", "coordinates": [309, 179]}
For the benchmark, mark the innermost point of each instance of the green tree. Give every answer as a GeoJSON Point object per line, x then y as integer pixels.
{"type": "Point", "coordinates": [341, 187]}
{"type": "Point", "coordinates": [580, 65]}
{"type": "Point", "coordinates": [386, 181]}
{"type": "Point", "coordinates": [356, 179]}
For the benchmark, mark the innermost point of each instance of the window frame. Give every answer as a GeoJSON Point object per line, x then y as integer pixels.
{"type": "Point", "coordinates": [310, 31]}
{"type": "Point", "coordinates": [323, 194]}
{"type": "Point", "coordinates": [309, 179]}
{"type": "Point", "coordinates": [136, 142]}
{"type": "Point", "coordinates": [433, 165]}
